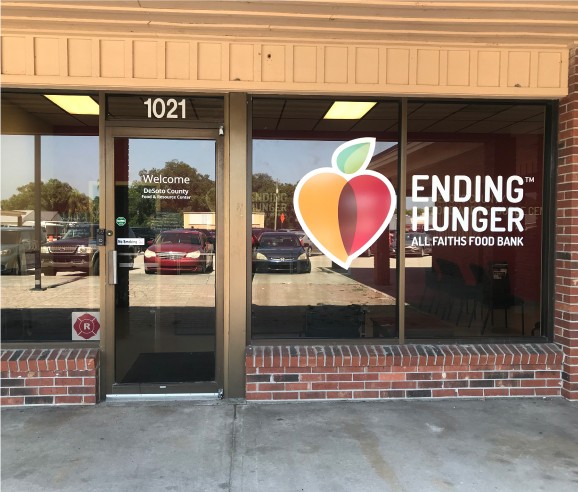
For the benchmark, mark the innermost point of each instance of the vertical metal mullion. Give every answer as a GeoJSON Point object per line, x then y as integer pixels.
{"type": "Point", "coordinates": [106, 194]}
{"type": "Point", "coordinates": [220, 261]}
{"type": "Point", "coordinates": [224, 243]}
{"type": "Point", "coordinates": [549, 175]}
{"type": "Point", "coordinates": [37, 211]}
{"type": "Point", "coordinates": [401, 199]}
{"type": "Point", "coordinates": [249, 222]}
{"type": "Point", "coordinates": [236, 244]}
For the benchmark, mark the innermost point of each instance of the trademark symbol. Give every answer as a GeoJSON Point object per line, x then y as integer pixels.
{"type": "Point", "coordinates": [529, 179]}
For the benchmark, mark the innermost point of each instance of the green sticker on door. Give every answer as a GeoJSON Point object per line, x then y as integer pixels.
{"type": "Point", "coordinates": [120, 221]}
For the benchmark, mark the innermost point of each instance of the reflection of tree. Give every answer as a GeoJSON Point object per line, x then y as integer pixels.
{"type": "Point", "coordinates": [201, 195]}
{"type": "Point", "coordinates": [95, 209]}
{"type": "Point", "coordinates": [211, 199]}
{"type": "Point", "coordinates": [140, 210]}
{"type": "Point", "coordinates": [56, 196]}
{"type": "Point", "coordinates": [263, 183]}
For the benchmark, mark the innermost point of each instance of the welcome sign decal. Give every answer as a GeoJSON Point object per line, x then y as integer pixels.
{"type": "Point", "coordinates": [345, 208]}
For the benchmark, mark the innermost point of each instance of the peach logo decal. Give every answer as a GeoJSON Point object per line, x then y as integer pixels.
{"type": "Point", "coordinates": [345, 208]}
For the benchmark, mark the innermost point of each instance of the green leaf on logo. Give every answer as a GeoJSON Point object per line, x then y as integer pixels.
{"type": "Point", "coordinates": [354, 155]}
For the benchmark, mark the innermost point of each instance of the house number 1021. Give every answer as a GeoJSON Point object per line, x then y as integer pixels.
{"type": "Point", "coordinates": [159, 108]}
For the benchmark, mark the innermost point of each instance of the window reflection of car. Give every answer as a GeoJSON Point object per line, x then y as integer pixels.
{"type": "Point", "coordinates": [280, 252]}
{"type": "Point", "coordinates": [309, 245]}
{"type": "Point", "coordinates": [416, 244]}
{"type": "Point", "coordinates": [18, 248]}
{"type": "Point", "coordinates": [75, 252]}
{"type": "Point", "coordinates": [312, 248]}
{"type": "Point", "coordinates": [256, 234]}
{"type": "Point", "coordinates": [211, 236]}
{"type": "Point", "coordinates": [177, 251]}
{"type": "Point", "coordinates": [54, 230]}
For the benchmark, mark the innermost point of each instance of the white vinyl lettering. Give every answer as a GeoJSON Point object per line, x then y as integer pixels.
{"type": "Point", "coordinates": [160, 179]}
{"type": "Point", "coordinates": [462, 189]}
{"type": "Point", "coordinates": [158, 108]}
{"type": "Point", "coordinates": [514, 194]}
{"type": "Point", "coordinates": [484, 193]}
{"type": "Point", "coordinates": [416, 188]}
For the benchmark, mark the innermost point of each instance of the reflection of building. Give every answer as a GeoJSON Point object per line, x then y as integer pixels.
{"type": "Point", "coordinates": [206, 220]}
{"type": "Point", "coordinates": [479, 96]}
{"type": "Point", "coordinates": [257, 219]}
{"type": "Point", "coordinates": [199, 220]}
{"type": "Point", "coordinates": [26, 217]}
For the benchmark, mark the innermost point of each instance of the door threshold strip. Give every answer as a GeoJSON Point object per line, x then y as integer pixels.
{"type": "Point", "coordinates": [163, 397]}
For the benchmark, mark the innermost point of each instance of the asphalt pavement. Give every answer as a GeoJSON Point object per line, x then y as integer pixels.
{"type": "Point", "coordinates": [418, 445]}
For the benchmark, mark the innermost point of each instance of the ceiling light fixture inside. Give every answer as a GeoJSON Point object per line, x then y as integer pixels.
{"type": "Point", "coordinates": [75, 104]}
{"type": "Point", "coordinates": [348, 110]}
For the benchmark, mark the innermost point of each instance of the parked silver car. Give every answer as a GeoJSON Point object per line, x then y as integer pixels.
{"type": "Point", "coordinates": [18, 248]}
{"type": "Point", "coordinates": [309, 245]}
{"type": "Point", "coordinates": [416, 244]}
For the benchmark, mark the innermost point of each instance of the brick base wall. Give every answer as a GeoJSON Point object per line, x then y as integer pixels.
{"type": "Point", "coordinates": [284, 373]}
{"type": "Point", "coordinates": [49, 377]}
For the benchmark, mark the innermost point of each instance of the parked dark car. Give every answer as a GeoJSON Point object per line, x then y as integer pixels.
{"type": "Point", "coordinates": [280, 252]}
{"type": "Point", "coordinates": [179, 250]}
{"type": "Point", "coordinates": [256, 234]}
{"type": "Point", "coordinates": [312, 248]}
{"type": "Point", "coordinates": [54, 230]}
{"type": "Point", "coordinates": [76, 251]}
{"type": "Point", "coordinates": [416, 244]}
{"type": "Point", "coordinates": [18, 249]}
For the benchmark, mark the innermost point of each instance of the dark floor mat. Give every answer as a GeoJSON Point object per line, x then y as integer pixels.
{"type": "Point", "coordinates": [172, 367]}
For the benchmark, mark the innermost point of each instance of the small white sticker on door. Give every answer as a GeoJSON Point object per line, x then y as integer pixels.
{"type": "Point", "coordinates": [130, 241]}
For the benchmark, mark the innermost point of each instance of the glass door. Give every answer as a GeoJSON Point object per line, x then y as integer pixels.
{"type": "Point", "coordinates": [163, 265]}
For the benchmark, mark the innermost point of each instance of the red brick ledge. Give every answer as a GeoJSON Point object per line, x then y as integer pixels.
{"type": "Point", "coordinates": [49, 376]}
{"type": "Point", "coordinates": [402, 371]}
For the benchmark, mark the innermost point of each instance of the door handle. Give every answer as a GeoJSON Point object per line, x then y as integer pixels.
{"type": "Point", "coordinates": [112, 268]}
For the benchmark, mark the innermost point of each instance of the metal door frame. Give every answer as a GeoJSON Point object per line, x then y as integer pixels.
{"type": "Point", "coordinates": [107, 222]}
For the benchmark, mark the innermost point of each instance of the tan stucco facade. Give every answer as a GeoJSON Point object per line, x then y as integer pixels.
{"type": "Point", "coordinates": [487, 49]}
{"type": "Point", "coordinates": [193, 65]}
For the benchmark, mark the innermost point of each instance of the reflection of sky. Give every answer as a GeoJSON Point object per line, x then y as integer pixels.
{"type": "Point", "coordinates": [148, 153]}
{"type": "Point", "coordinates": [17, 156]}
{"type": "Point", "coordinates": [74, 159]}
{"type": "Point", "coordinates": [287, 161]}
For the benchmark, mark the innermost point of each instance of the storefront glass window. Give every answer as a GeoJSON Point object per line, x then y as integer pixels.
{"type": "Point", "coordinates": [334, 287]}
{"type": "Point", "coordinates": [49, 214]}
{"type": "Point", "coordinates": [474, 219]}
{"type": "Point", "coordinates": [472, 237]}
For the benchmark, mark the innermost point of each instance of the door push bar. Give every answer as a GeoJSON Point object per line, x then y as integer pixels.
{"type": "Point", "coordinates": [112, 270]}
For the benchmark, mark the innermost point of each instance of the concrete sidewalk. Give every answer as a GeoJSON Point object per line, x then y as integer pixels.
{"type": "Point", "coordinates": [498, 445]}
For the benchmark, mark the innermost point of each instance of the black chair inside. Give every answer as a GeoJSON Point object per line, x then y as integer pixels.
{"type": "Point", "coordinates": [496, 291]}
